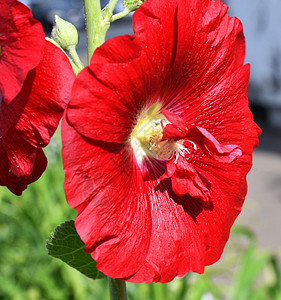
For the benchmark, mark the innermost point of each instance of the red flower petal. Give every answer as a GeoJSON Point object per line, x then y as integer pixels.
{"type": "Point", "coordinates": [223, 153]}
{"type": "Point", "coordinates": [131, 90]}
{"type": "Point", "coordinates": [28, 122]}
{"type": "Point", "coordinates": [46, 93]}
{"type": "Point", "coordinates": [103, 192]}
{"type": "Point", "coordinates": [207, 28]}
{"type": "Point", "coordinates": [21, 44]}
{"type": "Point", "coordinates": [142, 217]}
{"type": "Point", "coordinates": [185, 179]}
{"type": "Point", "coordinates": [20, 163]}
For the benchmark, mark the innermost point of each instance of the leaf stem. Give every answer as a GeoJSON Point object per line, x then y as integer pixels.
{"type": "Point", "coordinates": [72, 52]}
{"type": "Point", "coordinates": [120, 15]}
{"type": "Point", "coordinates": [117, 289]}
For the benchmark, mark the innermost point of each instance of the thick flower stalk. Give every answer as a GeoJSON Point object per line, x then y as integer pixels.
{"type": "Point", "coordinates": [157, 142]}
{"type": "Point", "coordinates": [35, 83]}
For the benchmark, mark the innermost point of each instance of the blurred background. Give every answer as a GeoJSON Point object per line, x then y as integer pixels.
{"type": "Point", "coordinates": [250, 266]}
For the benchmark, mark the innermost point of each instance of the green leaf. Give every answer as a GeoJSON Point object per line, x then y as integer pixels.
{"type": "Point", "coordinates": [64, 243]}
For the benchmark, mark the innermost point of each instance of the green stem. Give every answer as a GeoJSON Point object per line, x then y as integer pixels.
{"type": "Point", "coordinates": [120, 15]}
{"type": "Point", "coordinates": [96, 26]}
{"type": "Point", "coordinates": [117, 289]}
{"type": "Point", "coordinates": [72, 52]}
{"type": "Point", "coordinates": [111, 5]}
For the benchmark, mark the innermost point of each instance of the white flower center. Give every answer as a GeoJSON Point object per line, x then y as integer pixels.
{"type": "Point", "coordinates": [147, 134]}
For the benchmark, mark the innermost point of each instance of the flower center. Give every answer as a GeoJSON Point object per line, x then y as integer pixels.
{"type": "Point", "coordinates": [147, 134]}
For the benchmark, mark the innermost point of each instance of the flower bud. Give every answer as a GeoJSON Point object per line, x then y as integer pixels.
{"type": "Point", "coordinates": [64, 33]}
{"type": "Point", "coordinates": [132, 4]}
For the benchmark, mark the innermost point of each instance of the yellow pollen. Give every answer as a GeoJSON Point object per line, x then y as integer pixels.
{"type": "Point", "coordinates": [147, 134]}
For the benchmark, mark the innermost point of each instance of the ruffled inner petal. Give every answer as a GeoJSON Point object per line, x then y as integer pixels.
{"type": "Point", "coordinates": [208, 143]}
{"type": "Point", "coordinates": [185, 179]}
{"type": "Point", "coordinates": [171, 132]}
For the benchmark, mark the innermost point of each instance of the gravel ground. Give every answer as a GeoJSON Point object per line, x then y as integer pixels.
{"type": "Point", "coordinates": [262, 208]}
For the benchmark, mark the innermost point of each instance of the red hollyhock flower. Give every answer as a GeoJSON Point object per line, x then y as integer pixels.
{"type": "Point", "coordinates": [21, 46]}
{"type": "Point", "coordinates": [41, 78]}
{"type": "Point", "coordinates": [158, 139]}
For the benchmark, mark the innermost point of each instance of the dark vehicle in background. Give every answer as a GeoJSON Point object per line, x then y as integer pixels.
{"type": "Point", "coordinates": [69, 10]}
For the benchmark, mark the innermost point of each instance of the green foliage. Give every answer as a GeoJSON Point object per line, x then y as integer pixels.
{"type": "Point", "coordinates": [26, 270]}
{"type": "Point", "coordinates": [28, 273]}
{"type": "Point", "coordinates": [254, 264]}
{"type": "Point", "coordinates": [65, 244]}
